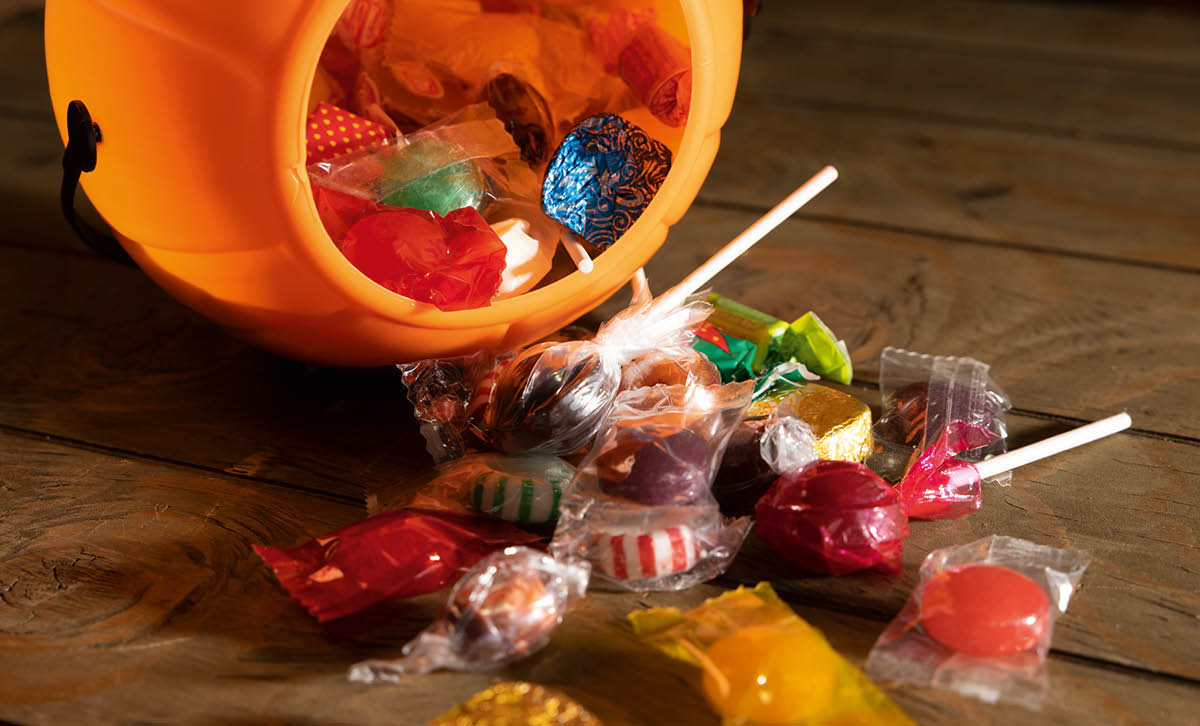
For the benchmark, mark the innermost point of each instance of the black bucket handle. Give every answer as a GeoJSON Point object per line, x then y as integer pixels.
{"type": "Point", "coordinates": [83, 135]}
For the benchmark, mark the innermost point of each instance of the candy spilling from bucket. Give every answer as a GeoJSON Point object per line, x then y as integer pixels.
{"type": "Point", "coordinates": [518, 111]}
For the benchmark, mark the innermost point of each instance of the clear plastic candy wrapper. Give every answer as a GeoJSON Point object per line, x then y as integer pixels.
{"type": "Point", "coordinates": [980, 620]}
{"type": "Point", "coordinates": [504, 608]}
{"type": "Point", "coordinates": [922, 394]}
{"type": "Point", "coordinates": [520, 489]}
{"type": "Point", "coordinates": [763, 664]}
{"type": "Point", "coordinates": [641, 507]}
{"type": "Point", "coordinates": [441, 392]}
{"type": "Point", "coordinates": [551, 398]}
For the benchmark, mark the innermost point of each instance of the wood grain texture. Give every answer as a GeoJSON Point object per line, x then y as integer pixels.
{"type": "Point", "coordinates": [131, 595]}
{"type": "Point", "coordinates": [966, 184]}
{"type": "Point", "coordinates": [1143, 35]}
{"type": "Point", "coordinates": [864, 73]}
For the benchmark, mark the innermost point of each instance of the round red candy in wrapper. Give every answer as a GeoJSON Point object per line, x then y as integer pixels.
{"type": "Point", "coordinates": [985, 610]}
{"type": "Point", "coordinates": [454, 262]}
{"type": "Point", "coordinates": [834, 517]}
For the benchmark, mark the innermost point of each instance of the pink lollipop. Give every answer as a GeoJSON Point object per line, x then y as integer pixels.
{"type": "Point", "coordinates": [938, 486]}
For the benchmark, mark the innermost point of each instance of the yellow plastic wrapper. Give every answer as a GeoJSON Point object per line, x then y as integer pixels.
{"type": "Point", "coordinates": [841, 422]}
{"type": "Point", "coordinates": [763, 664]}
{"type": "Point", "coordinates": [516, 703]}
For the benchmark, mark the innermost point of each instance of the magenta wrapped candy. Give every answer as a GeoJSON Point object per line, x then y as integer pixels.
{"type": "Point", "coordinates": [834, 517]}
{"type": "Point", "coordinates": [938, 486]}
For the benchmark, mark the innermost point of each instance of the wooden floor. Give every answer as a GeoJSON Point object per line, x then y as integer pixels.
{"type": "Point", "coordinates": [1020, 183]}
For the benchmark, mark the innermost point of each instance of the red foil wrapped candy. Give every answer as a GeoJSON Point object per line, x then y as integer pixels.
{"type": "Point", "coordinates": [388, 556]}
{"type": "Point", "coordinates": [454, 262]}
{"type": "Point", "coordinates": [834, 517]}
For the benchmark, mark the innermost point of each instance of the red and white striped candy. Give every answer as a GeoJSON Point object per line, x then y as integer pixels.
{"type": "Point", "coordinates": [627, 554]}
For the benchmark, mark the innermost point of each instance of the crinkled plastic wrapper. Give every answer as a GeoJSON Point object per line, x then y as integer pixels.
{"type": "Point", "coordinates": [465, 160]}
{"type": "Point", "coordinates": [922, 394]}
{"type": "Point", "coordinates": [763, 664]}
{"type": "Point", "coordinates": [504, 609]}
{"type": "Point", "coordinates": [680, 366]}
{"type": "Point", "coordinates": [523, 489]}
{"type": "Point", "coordinates": [551, 398]}
{"type": "Point", "coordinates": [641, 507]}
{"type": "Point", "coordinates": [834, 517]}
{"type": "Point", "coordinates": [1000, 595]}
{"type": "Point", "coordinates": [938, 486]}
{"type": "Point", "coordinates": [385, 557]}
{"type": "Point", "coordinates": [517, 702]}
{"type": "Point", "coordinates": [441, 391]}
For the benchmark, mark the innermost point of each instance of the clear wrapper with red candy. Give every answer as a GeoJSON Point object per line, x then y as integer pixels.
{"type": "Point", "coordinates": [505, 608]}
{"type": "Point", "coordinates": [922, 394]}
{"type": "Point", "coordinates": [525, 489]}
{"type": "Point", "coordinates": [939, 486]}
{"type": "Point", "coordinates": [980, 620]}
{"type": "Point", "coordinates": [834, 517]}
{"type": "Point", "coordinates": [641, 508]}
{"type": "Point", "coordinates": [551, 398]}
{"type": "Point", "coordinates": [389, 556]}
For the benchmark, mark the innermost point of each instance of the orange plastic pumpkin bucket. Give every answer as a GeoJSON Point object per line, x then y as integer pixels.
{"type": "Point", "coordinates": [201, 174]}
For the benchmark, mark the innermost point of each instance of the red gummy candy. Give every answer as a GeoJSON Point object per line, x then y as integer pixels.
{"type": "Point", "coordinates": [985, 610]}
{"type": "Point", "coordinates": [834, 517]}
{"type": "Point", "coordinates": [388, 556]}
{"type": "Point", "coordinates": [937, 486]}
{"type": "Point", "coordinates": [453, 262]}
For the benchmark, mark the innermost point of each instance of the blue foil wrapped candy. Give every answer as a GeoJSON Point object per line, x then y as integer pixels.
{"type": "Point", "coordinates": [602, 177]}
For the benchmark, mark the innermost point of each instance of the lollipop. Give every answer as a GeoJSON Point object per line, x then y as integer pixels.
{"type": "Point", "coordinates": [939, 486]}
{"type": "Point", "coordinates": [552, 397]}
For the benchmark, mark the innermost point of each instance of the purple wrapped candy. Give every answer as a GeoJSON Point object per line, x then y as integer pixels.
{"type": "Point", "coordinates": [602, 177]}
{"type": "Point", "coordinates": [673, 467]}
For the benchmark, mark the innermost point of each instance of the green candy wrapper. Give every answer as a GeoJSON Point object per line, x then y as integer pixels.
{"type": "Point", "coordinates": [811, 342]}
{"type": "Point", "coordinates": [735, 365]}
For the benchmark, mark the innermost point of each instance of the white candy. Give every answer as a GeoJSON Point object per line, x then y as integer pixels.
{"type": "Point", "coordinates": [627, 554]}
{"type": "Point", "coordinates": [514, 499]}
{"type": "Point", "coordinates": [527, 260]}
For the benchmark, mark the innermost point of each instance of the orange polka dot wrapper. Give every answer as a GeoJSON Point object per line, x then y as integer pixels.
{"type": "Point", "coordinates": [762, 664]}
{"type": "Point", "coordinates": [980, 620]}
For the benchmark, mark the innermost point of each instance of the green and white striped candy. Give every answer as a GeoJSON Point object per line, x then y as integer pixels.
{"type": "Point", "coordinates": [526, 501]}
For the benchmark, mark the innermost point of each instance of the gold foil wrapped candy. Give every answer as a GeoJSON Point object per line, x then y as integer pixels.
{"type": "Point", "coordinates": [841, 422]}
{"type": "Point", "coordinates": [516, 703]}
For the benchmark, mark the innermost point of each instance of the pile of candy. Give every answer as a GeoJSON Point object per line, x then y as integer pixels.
{"type": "Point", "coordinates": [453, 145]}
{"type": "Point", "coordinates": [647, 451]}
{"type": "Point", "coordinates": [639, 453]}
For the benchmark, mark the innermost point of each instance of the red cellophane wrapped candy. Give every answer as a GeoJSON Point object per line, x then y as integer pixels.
{"type": "Point", "coordinates": [834, 517]}
{"type": "Point", "coordinates": [938, 486]}
{"type": "Point", "coordinates": [454, 262]}
{"type": "Point", "coordinates": [339, 210]}
{"type": "Point", "coordinates": [388, 556]}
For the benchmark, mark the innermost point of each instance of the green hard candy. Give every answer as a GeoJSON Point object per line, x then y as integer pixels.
{"type": "Point", "coordinates": [429, 174]}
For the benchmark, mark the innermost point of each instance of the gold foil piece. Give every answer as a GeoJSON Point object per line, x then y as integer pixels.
{"type": "Point", "coordinates": [516, 703]}
{"type": "Point", "coordinates": [841, 422]}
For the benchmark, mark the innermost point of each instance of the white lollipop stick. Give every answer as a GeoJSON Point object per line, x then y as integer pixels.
{"type": "Point", "coordinates": [641, 286]}
{"type": "Point", "coordinates": [744, 241]}
{"type": "Point", "coordinates": [578, 254]}
{"type": "Point", "coordinates": [1053, 445]}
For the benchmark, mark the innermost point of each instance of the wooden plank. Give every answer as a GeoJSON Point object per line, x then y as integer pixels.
{"type": "Point", "coordinates": [1147, 35]}
{"type": "Point", "coordinates": [790, 62]}
{"type": "Point", "coordinates": [22, 59]}
{"type": "Point", "coordinates": [967, 184]}
{"type": "Point", "coordinates": [147, 570]}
